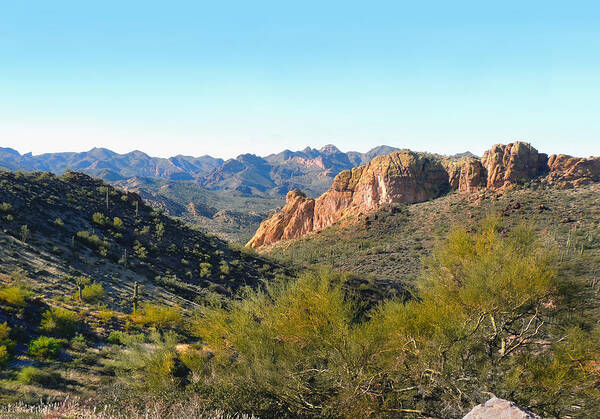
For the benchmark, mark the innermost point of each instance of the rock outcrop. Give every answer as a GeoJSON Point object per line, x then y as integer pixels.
{"type": "Point", "coordinates": [466, 174]}
{"type": "Point", "coordinates": [496, 408]}
{"type": "Point", "coordinates": [404, 176]}
{"type": "Point", "coordinates": [567, 171]}
{"type": "Point", "coordinates": [294, 220]}
{"type": "Point", "coordinates": [512, 164]}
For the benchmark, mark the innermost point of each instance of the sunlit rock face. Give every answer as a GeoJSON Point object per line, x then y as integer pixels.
{"type": "Point", "coordinates": [402, 176]}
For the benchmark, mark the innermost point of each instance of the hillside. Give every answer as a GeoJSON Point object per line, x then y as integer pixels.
{"type": "Point", "coordinates": [79, 225]}
{"type": "Point", "coordinates": [60, 231]}
{"type": "Point", "coordinates": [392, 242]}
{"type": "Point", "coordinates": [227, 214]}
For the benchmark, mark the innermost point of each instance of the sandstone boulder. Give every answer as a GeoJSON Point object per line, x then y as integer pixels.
{"type": "Point", "coordinates": [496, 408]}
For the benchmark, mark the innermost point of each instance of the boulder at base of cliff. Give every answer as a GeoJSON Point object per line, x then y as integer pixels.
{"type": "Point", "coordinates": [496, 408]}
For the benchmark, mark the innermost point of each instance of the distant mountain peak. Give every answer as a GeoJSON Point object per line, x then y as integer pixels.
{"type": "Point", "coordinates": [329, 149]}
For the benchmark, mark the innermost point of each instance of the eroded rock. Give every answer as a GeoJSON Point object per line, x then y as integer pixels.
{"type": "Point", "coordinates": [496, 408]}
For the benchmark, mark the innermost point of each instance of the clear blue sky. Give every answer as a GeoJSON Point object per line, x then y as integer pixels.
{"type": "Point", "coordinates": [227, 77]}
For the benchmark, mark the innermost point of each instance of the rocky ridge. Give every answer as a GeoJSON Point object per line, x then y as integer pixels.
{"type": "Point", "coordinates": [407, 177]}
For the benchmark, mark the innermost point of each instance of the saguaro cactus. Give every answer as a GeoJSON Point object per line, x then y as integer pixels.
{"type": "Point", "coordinates": [135, 297]}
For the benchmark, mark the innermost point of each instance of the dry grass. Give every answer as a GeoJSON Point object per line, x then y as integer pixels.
{"type": "Point", "coordinates": [79, 408]}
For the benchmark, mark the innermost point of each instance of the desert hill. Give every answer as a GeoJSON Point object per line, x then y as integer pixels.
{"type": "Point", "coordinates": [58, 226]}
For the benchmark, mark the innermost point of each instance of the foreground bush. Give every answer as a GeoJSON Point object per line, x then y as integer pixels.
{"type": "Point", "coordinates": [93, 293]}
{"type": "Point", "coordinates": [492, 315]}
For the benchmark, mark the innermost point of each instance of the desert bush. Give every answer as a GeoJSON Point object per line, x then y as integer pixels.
{"type": "Point", "coordinates": [159, 316]}
{"type": "Point", "coordinates": [118, 223]}
{"type": "Point", "coordinates": [106, 314]}
{"type": "Point", "coordinates": [153, 366]}
{"type": "Point", "coordinates": [5, 207]}
{"type": "Point", "coordinates": [78, 343]}
{"type": "Point", "coordinates": [4, 356]}
{"type": "Point", "coordinates": [44, 348]}
{"type": "Point", "coordinates": [121, 338]}
{"type": "Point", "coordinates": [492, 314]}
{"type": "Point", "coordinates": [224, 267]}
{"type": "Point", "coordinates": [140, 250]}
{"type": "Point", "coordinates": [15, 296]}
{"type": "Point", "coordinates": [94, 241]}
{"type": "Point", "coordinates": [5, 340]}
{"type": "Point", "coordinates": [100, 219]}
{"type": "Point", "coordinates": [93, 292]}
{"type": "Point", "coordinates": [205, 270]}
{"type": "Point", "coordinates": [60, 322]}
{"type": "Point", "coordinates": [32, 375]}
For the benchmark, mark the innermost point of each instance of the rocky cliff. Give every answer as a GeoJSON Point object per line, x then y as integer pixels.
{"type": "Point", "coordinates": [404, 176]}
{"type": "Point", "coordinates": [513, 164]}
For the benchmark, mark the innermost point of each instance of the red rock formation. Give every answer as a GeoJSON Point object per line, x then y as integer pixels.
{"type": "Point", "coordinates": [294, 220]}
{"type": "Point", "coordinates": [568, 172]}
{"type": "Point", "coordinates": [466, 174]}
{"type": "Point", "coordinates": [402, 176]}
{"type": "Point", "coordinates": [511, 164]}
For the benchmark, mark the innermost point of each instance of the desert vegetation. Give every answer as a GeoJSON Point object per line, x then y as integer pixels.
{"type": "Point", "coordinates": [493, 313]}
{"type": "Point", "coordinates": [121, 308]}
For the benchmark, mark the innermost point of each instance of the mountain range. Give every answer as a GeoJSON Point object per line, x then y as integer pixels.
{"type": "Point", "coordinates": [310, 169]}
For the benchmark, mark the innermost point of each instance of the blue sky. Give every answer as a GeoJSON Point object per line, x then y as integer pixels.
{"type": "Point", "coordinates": [229, 77]}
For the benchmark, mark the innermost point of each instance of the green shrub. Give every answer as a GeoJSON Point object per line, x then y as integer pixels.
{"type": "Point", "coordinates": [60, 322]}
{"type": "Point", "coordinates": [58, 222]}
{"type": "Point", "coordinates": [121, 338]}
{"type": "Point", "coordinates": [493, 314]}
{"type": "Point", "coordinates": [100, 219]}
{"type": "Point", "coordinates": [205, 270]}
{"type": "Point", "coordinates": [44, 348]}
{"type": "Point", "coordinates": [117, 223]}
{"type": "Point", "coordinates": [15, 296]}
{"type": "Point", "coordinates": [140, 250]}
{"type": "Point", "coordinates": [5, 207]}
{"type": "Point", "coordinates": [155, 367]}
{"type": "Point", "coordinates": [4, 356]}
{"type": "Point", "coordinates": [94, 241]}
{"type": "Point", "coordinates": [159, 316]}
{"type": "Point", "coordinates": [93, 292]}
{"type": "Point", "coordinates": [78, 343]}
{"type": "Point", "coordinates": [32, 375]}
{"type": "Point", "coordinates": [224, 267]}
